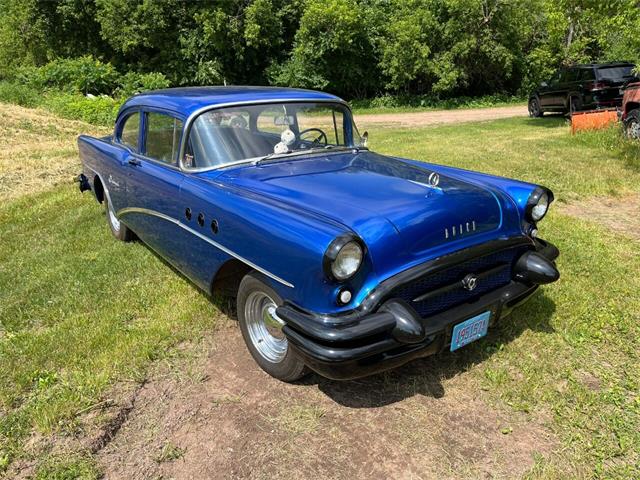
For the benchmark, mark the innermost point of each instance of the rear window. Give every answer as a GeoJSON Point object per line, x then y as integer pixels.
{"type": "Point", "coordinates": [615, 74]}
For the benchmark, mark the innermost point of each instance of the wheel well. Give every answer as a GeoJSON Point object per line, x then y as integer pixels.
{"type": "Point", "coordinates": [98, 189]}
{"type": "Point", "coordinates": [228, 278]}
{"type": "Point", "coordinates": [631, 106]}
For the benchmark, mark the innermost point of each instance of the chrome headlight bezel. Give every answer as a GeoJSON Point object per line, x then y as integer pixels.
{"type": "Point", "coordinates": [539, 197]}
{"type": "Point", "coordinates": [344, 244]}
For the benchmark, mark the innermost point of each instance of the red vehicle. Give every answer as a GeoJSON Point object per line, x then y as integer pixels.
{"type": "Point", "coordinates": [631, 110]}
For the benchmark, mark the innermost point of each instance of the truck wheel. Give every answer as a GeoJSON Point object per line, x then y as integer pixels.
{"type": "Point", "coordinates": [262, 330]}
{"type": "Point", "coordinates": [632, 124]}
{"type": "Point", "coordinates": [534, 108]}
{"type": "Point", "coordinates": [118, 229]}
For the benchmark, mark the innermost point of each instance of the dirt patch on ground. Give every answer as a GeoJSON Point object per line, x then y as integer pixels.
{"type": "Point", "coordinates": [421, 421]}
{"type": "Point", "coordinates": [622, 215]}
{"type": "Point", "coordinates": [418, 119]}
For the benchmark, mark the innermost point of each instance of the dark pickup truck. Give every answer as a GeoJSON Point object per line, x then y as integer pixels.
{"type": "Point", "coordinates": [582, 87]}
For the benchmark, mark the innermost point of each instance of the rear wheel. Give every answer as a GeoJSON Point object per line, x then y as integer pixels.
{"type": "Point", "coordinates": [632, 124]}
{"type": "Point", "coordinates": [534, 108]}
{"type": "Point", "coordinates": [118, 229]}
{"type": "Point", "coordinates": [262, 330]}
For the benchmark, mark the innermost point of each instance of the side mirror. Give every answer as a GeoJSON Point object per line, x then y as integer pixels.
{"type": "Point", "coordinates": [544, 84]}
{"type": "Point", "coordinates": [364, 140]}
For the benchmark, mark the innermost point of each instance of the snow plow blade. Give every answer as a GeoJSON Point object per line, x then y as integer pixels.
{"type": "Point", "coordinates": [593, 119]}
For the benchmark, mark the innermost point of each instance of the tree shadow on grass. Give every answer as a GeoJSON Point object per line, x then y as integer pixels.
{"type": "Point", "coordinates": [550, 120]}
{"type": "Point", "coordinates": [425, 376]}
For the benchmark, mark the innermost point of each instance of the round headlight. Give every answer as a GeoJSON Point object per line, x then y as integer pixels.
{"type": "Point", "coordinates": [347, 261]}
{"type": "Point", "coordinates": [539, 210]}
{"type": "Point", "coordinates": [538, 204]}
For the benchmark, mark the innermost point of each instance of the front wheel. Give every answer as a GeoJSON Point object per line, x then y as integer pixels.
{"type": "Point", "coordinates": [632, 125]}
{"type": "Point", "coordinates": [262, 330]}
{"type": "Point", "coordinates": [534, 108]}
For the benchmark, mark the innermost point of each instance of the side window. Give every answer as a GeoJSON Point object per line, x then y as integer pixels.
{"type": "Point", "coordinates": [130, 130]}
{"type": "Point", "coordinates": [564, 76]}
{"type": "Point", "coordinates": [163, 137]}
{"type": "Point", "coordinates": [572, 75]}
{"type": "Point", "coordinates": [587, 75]}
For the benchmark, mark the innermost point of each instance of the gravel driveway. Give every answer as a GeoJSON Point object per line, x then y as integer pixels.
{"type": "Point", "coordinates": [417, 119]}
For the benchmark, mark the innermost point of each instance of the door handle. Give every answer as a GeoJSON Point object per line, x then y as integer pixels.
{"type": "Point", "coordinates": [134, 161]}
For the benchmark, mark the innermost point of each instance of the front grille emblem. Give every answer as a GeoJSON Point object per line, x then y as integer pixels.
{"type": "Point", "coordinates": [470, 282]}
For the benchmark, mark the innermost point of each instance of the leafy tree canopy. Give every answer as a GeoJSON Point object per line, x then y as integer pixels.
{"type": "Point", "coordinates": [355, 48]}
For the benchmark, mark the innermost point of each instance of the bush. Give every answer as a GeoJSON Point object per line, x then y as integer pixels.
{"type": "Point", "coordinates": [133, 82]}
{"type": "Point", "coordinates": [433, 102]}
{"type": "Point", "coordinates": [82, 75]}
{"type": "Point", "coordinates": [19, 94]}
{"type": "Point", "coordinates": [98, 110]}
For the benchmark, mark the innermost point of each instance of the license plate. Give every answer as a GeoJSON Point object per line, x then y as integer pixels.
{"type": "Point", "coordinates": [470, 330]}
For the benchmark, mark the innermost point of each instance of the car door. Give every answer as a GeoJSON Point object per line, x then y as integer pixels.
{"type": "Point", "coordinates": [559, 89]}
{"type": "Point", "coordinates": [548, 91]}
{"type": "Point", "coordinates": [569, 86]}
{"type": "Point", "coordinates": [113, 173]}
{"type": "Point", "coordinates": [153, 184]}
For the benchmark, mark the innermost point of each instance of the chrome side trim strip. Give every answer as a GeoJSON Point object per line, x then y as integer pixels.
{"type": "Point", "coordinates": [153, 213]}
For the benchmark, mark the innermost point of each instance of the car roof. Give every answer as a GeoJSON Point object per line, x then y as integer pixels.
{"type": "Point", "coordinates": [600, 65]}
{"type": "Point", "coordinates": [186, 100]}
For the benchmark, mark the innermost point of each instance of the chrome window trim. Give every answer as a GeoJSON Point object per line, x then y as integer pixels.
{"type": "Point", "coordinates": [145, 111]}
{"type": "Point", "coordinates": [200, 111]}
{"type": "Point", "coordinates": [146, 211]}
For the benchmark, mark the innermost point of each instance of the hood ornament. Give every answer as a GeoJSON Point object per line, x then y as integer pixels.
{"type": "Point", "coordinates": [434, 179]}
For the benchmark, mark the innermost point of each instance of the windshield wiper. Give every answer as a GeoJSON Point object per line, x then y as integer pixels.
{"type": "Point", "coordinates": [299, 152]}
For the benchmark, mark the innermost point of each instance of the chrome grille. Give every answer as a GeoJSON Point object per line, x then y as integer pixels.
{"type": "Point", "coordinates": [499, 264]}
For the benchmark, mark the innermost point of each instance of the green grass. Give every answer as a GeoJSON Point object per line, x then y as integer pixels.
{"type": "Point", "coordinates": [573, 352]}
{"type": "Point", "coordinates": [536, 150]}
{"type": "Point", "coordinates": [81, 313]}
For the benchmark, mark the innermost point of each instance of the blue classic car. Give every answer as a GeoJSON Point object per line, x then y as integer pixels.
{"type": "Point", "coordinates": [342, 261]}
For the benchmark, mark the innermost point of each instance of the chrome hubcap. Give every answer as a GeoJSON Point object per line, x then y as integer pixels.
{"type": "Point", "coordinates": [634, 129]}
{"type": "Point", "coordinates": [533, 108]}
{"type": "Point", "coordinates": [264, 327]}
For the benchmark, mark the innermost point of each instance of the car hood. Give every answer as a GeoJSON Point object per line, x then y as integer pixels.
{"type": "Point", "coordinates": [376, 195]}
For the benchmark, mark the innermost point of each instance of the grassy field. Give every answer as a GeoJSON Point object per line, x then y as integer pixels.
{"type": "Point", "coordinates": [84, 317]}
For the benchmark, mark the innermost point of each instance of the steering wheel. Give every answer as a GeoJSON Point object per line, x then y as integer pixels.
{"type": "Point", "coordinates": [321, 137]}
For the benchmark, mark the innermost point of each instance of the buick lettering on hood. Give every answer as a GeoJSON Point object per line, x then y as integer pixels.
{"type": "Point", "coordinates": [341, 260]}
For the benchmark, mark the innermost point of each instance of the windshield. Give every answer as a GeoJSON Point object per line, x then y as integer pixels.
{"type": "Point", "coordinates": [615, 74]}
{"type": "Point", "coordinates": [234, 134]}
